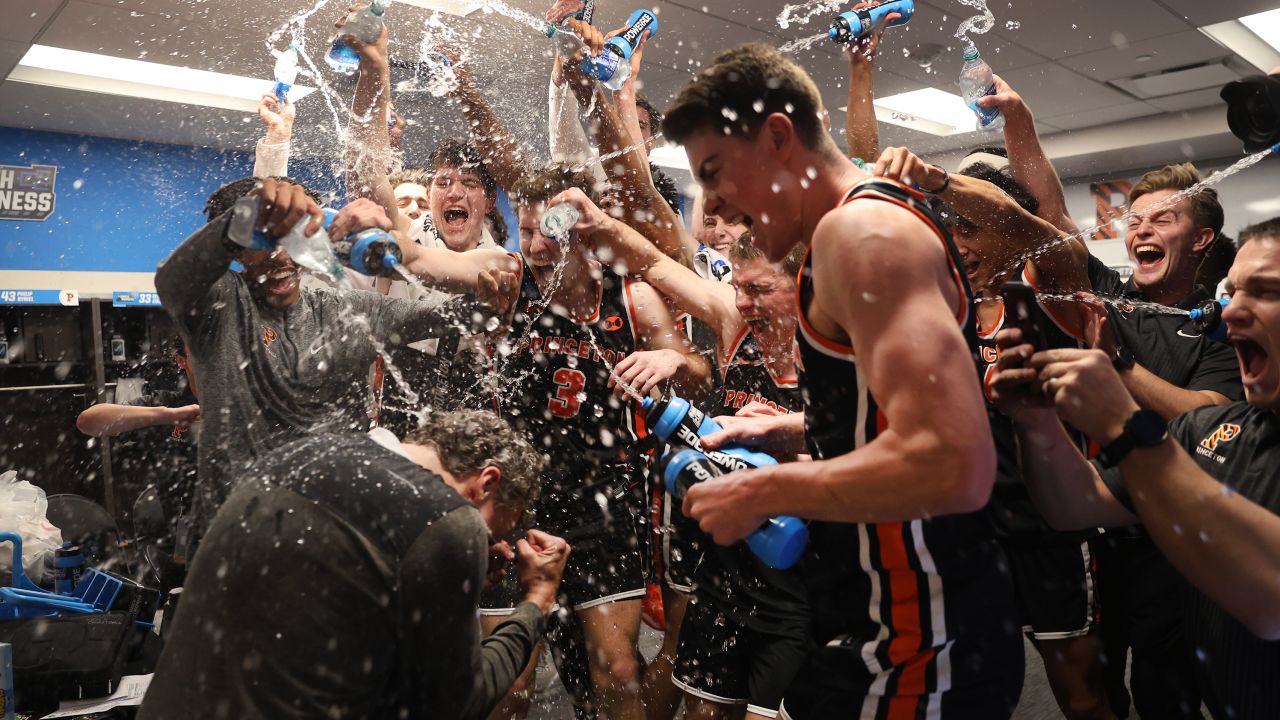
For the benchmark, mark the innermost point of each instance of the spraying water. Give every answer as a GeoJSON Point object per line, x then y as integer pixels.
{"type": "Point", "coordinates": [1050, 243]}
{"type": "Point", "coordinates": [978, 24]}
{"type": "Point", "coordinates": [802, 13]}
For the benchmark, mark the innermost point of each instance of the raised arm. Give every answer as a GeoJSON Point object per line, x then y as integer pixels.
{"type": "Point", "coordinates": [185, 279]}
{"type": "Point", "coordinates": [455, 272]}
{"type": "Point", "coordinates": [642, 205]}
{"type": "Point", "coordinates": [1031, 167]}
{"type": "Point", "coordinates": [616, 242]}
{"type": "Point", "coordinates": [368, 153]}
{"type": "Point", "coordinates": [684, 365]}
{"type": "Point", "coordinates": [860, 118]}
{"type": "Point", "coordinates": [502, 154]}
{"type": "Point", "coordinates": [271, 155]}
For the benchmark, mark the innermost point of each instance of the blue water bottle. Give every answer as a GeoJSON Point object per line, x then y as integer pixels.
{"type": "Point", "coordinates": [613, 66]}
{"type": "Point", "coordinates": [779, 542]}
{"type": "Point", "coordinates": [1207, 319]}
{"type": "Point", "coordinates": [677, 422]}
{"type": "Point", "coordinates": [854, 24]}
{"type": "Point", "coordinates": [68, 566]}
{"type": "Point", "coordinates": [365, 24]}
{"type": "Point", "coordinates": [286, 73]}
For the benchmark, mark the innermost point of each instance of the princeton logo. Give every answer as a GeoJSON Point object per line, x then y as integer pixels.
{"type": "Point", "coordinates": [269, 335]}
{"type": "Point", "coordinates": [612, 323]}
{"type": "Point", "coordinates": [1225, 433]}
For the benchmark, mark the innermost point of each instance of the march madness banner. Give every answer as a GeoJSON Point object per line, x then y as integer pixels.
{"type": "Point", "coordinates": [26, 193]}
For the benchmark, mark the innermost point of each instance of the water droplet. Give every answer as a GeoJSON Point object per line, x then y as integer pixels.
{"type": "Point", "coordinates": [79, 183]}
{"type": "Point", "coordinates": [1012, 25]}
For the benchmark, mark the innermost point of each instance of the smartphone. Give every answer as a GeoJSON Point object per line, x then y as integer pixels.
{"type": "Point", "coordinates": [1020, 311]}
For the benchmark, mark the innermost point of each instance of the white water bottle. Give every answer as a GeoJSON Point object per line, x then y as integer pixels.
{"type": "Point", "coordinates": [286, 73]}
{"type": "Point", "coordinates": [365, 24]}
{"type": "Point", "coordinates": [558, 221]}
{"type": "Point", "coordinates": [977, 81]}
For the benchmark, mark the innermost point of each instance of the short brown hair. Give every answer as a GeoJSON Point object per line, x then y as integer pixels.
{"type": "Point", "coordinates": [745, 250]}
{"type": "Point", "coordinates": [741, 88]}
{"type": "Point", "coordinates": [1206, 210]}
{"type": "Point", "coordinates": [467, 441]}
{"type": "Point", "coordinates": [541, 185]}
{"type": "Point", "coordinates": [417, 176]}
{"type": "Point", "coordinates": [1267, 229]}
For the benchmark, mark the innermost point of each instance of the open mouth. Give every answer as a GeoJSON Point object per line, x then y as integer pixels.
{"type": "Point", "coordinates": [971, 265]}
{"type": "Point", "coordinates": [280, 281]}
{"type": "Point", "coordinates": [455, 218]}
{"type": "Point", "coordinates": [1254, 359]}
{"type": "Point", "coordinates": [1148, 257]}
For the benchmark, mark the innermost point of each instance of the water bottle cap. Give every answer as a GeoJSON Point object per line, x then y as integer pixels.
{"type": "Point", "coordinates": [781, 542]}
{"type": "Point", "coordinates": [378, 7]}
{"type": "Point", "coordinates": [293, 46]}
{"type": "Point", "coordinates": [971, 53]}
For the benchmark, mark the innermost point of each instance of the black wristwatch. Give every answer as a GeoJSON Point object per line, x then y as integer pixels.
{"type": "Point", "coordinates": [1123, 360]}
{"type": "Point", "coordinates": [1143, 429]}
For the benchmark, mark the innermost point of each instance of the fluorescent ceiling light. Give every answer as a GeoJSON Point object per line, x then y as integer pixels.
{"type": "Point", "coordinates": [452, 7]}
{"type": "Point", "coordinates": [670, 156]}
{"type": "Point", "coordinates": [90, 72]}
{"type": "Point", "coordinates": [1265, 25]}
{"type": "Point", "coordinates": [928, 110]}
{"type": "Point", "coordinates": [1256, 38]}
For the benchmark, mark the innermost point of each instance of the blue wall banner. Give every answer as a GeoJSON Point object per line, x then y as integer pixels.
{"type": "Point", "coordinates": [128, 298]}
{"type": "Point", "coordinates": [70, 298]}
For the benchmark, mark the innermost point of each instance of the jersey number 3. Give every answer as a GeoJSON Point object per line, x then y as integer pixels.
{"type": "Point", "coordinates": [569, 385]}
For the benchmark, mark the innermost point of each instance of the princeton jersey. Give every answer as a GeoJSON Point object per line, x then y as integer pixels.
{"type": "Point", "coordinates": [556, 391]}
{"type": "Point", "coordinates": [911, 612]}
{"type": "Point", "coordinates": [747, 378]}
{"type": "Point", "coordinates": [1012, 511]}
{"type": "Point", "coordinates": [732, 579]}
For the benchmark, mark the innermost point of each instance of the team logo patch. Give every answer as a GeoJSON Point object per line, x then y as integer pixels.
{"type": "Point", "coordinates": [1225, 433]}
{"type": "Point", "coordinates": [612, 323]}
{"type": "Point", "coordinates": [989, 354]}
{"type": "Point", "coordinates": [269, 335]}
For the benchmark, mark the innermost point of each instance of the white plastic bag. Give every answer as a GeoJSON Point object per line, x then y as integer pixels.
{"type": "Point", "coordinates": [22, 510]}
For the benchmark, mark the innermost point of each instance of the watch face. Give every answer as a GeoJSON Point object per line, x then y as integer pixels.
{"type": "Point", "coordinates": [1147, 428]}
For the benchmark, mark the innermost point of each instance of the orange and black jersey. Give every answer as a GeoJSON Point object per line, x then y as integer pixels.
{"type": "Point", "coordinates": [732, 579]}
{"type": "Point", "coordinates": [746, 377]}
{"type": "Point", "coordinates": [555, 390]}
{"type": "Point", "coordinates": [910, 612]}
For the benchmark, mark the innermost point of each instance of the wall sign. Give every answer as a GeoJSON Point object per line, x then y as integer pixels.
{"type": "Point", "coordinates": [26, 193]}
{"type": "Point", "coordinates": [66, 298]}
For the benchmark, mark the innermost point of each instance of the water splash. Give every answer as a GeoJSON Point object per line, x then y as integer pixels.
{"type": "Point", "coordinates": [978, 24]}
{"type": "Point", "coordinates": [1052, 243]}
{"type": "Point", "coordinates": [803, 43]}
{"type": "Point", "coordinates": [515, 13]}
{"type": "Point", "coordinates": [802, 13]}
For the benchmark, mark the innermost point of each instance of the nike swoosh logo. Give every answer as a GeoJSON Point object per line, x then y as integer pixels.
{"type": "Point", "coordinates": [1193, 337]}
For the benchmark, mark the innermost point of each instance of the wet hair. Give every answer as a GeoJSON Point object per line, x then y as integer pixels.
{"type": "Point", "coordinates": [456, 153]}
{"type": "Point", "coordinates": [541, 185]}
{"type": "Point", "coordinates": [655, 115]}
{"type": "Point", "coordinates": [497, 227]}
{"type": "Point", "coordinates": [740, 89]}
{"type": "Point", "coordinates": [1206, 210]}
{"type": "Point", "coordinates": [468, 441]}
{"type": "Point", "coordinates": [745, 250]}
{"type": "Point", "coordinates": [666, 186]}
{"type": "Point", "coordinates": [417, 176]}
{"type": "Point", "coordinates": [999, 178]}
{"type": "Point", "coordinates": [1267, 229]}
{"type": "Point", "coordinates": [224, 197]}
{"type": "Point", "coordinates": [1217, 261]}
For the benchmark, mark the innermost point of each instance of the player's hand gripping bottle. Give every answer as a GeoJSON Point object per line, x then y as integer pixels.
{"type": "Point", "coordinates": [780, 541]}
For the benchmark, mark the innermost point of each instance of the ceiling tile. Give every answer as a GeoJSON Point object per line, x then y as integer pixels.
{"type": "Point", "coordinates": [1058, 29]}
{"type": "Point", "coordinates": [10, 54]}
{"type": "Point", "coordinates": [1169, 51]}
{"type": "Point", "coordinates": [1102, 116]}
{"type": "Point", "coordinates": [22, 21]}
{"type": "Point", "coordinates": [1200, 13]}
{"type": "Point", "coordinates": [1052, 90]}
{"type": "Point", "coordinates": [1189, 101]}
